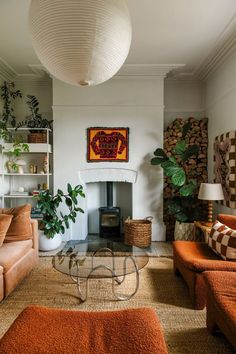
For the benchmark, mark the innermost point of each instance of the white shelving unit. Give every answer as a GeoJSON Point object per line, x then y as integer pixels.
{"type": "Point", "coordinates": [10, 182]}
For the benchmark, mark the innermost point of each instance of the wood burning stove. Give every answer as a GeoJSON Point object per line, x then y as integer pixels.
{"type": "Point", "coordinates": [109, 216]}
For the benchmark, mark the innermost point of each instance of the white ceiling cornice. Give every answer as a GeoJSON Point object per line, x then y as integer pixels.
{"type": "Point", "coordinates": [7, 73]}
{"type": "Point", "coordinates": [148, 70]}
{"type": "Point", "coordinates": [224, 46]}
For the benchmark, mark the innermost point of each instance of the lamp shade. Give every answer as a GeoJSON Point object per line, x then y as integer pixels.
{"type": "Point", "coordinates": [81, 42]}
{"type": "Point", "coordinates": [211, 191]}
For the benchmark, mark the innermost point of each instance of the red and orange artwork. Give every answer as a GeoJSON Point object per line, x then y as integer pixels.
{"type": "Point", "coordinates": [107, 144]}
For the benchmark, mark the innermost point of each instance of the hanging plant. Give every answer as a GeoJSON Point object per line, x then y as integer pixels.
{"type": "Point", "coordinates": [8, 119]}
{"type": "Point", "coordinates": [9, 94]}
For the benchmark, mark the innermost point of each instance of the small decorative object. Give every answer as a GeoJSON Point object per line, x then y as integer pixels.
{"type": "Point", "coordinates": [53, 222]}
{"type": "Point", "coordinates": [107, 144]}
{"type": "Point", "coordinates": [210, 192]}
{"type": "Point", "coordinates": [138, 232]}
{"type": "Point", "coordinates": [31, 168]}
{"type": "Point", "coordinates": [35, 122]}
{"type": "Point", "coordinates": [21, 189]}
{"type": "Point", "coordinates": [45, 164]}
{"type": "Point", "coordinates": [95, 42]}
{"type": "Point", "coordinates": [21, 164]}
{"type": "Point", "coordinates": [35, 168]}
{"type": "Point", "coordinates": [224, 168]}
{"type": "Point", "coordinates": [45, 186]}
{"type": "Point", "coordinates": [14, 152]}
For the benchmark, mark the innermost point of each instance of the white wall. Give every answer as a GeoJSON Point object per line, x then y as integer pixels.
{"type": "Point", "coordinates": [221, 107]}
{"type": "Point", "coordinates": [136, 103]}
{"type": "Point", "coordinates": [183, 99]}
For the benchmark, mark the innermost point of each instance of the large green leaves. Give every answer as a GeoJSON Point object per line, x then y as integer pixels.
{"type": "Point", "coordinates": [160, 157]}
{"type": "Point", "coordinates": [180, 147]}
{"type": "Point", "coordinates": [188, 189]}
{"type": "Point", "coordinates": [55, 221]}
{"type": "Point", "coordinates": [178, 178]}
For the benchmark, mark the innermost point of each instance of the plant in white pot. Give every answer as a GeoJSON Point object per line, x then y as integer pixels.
{"type": "Point", "coordinates": [54, 222]}
{"type": "Point", "coordinates": [184, 204]}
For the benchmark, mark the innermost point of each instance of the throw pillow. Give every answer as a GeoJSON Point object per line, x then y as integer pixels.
{"type": "Point", "coordinates": [5, 221]}
{"type": "Point", "coordinates": [20, 228]}
{"type": "Point", "coordinates": [222, 241]}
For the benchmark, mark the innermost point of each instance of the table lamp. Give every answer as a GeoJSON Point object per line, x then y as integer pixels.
{"type": "Point", "coordinates": [210, 192]}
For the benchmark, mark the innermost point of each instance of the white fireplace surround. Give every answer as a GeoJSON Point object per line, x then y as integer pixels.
{"type": "Point", "coordinates": [107, 174]}
{"type": "Point", "coordinates": [94, 175]}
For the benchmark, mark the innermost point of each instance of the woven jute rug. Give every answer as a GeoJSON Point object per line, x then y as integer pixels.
{"type": "Point", "coordinates": [184, 328]}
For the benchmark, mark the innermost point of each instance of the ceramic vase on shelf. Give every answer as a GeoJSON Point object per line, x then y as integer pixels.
{"type": "Point", "coordinates": [184, 231]}
{"type": "Point", "coordinates": [49, 244]}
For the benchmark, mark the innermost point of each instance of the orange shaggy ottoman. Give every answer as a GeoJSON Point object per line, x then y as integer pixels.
{"type": "Point", "coordinates": [221, 303]}
{"type": "Point", "coordinates": [55, 331]}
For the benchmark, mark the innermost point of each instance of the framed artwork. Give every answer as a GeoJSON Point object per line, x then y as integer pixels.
{"type": "Point", "coordinates": [225, 166]}
{"type": "Point", "coordinates": [107, 144]}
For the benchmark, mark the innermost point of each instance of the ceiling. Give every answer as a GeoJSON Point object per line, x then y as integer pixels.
{"type": "Point", "coordinates": [164, 32]}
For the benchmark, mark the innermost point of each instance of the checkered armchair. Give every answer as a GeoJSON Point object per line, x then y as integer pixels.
{"type": "Point", "coordinates": [192, 258]}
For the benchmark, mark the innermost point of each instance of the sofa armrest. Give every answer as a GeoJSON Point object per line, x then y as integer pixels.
{"type": "Point", "coordinates": [35, 234]}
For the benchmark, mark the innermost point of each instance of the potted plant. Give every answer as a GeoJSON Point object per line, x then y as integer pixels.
{"type": "Point", "coordinates": [54, 222]}
{"type": "Point", "coordinates": [35, 122]}
{"type": "Point", "coordinates": [14, 164]}
{"type": "Point", "coordinates": [184, 203]}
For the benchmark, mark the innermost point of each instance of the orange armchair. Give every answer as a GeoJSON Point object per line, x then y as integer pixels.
{"type": "Point", "coordinates": [192, 258]}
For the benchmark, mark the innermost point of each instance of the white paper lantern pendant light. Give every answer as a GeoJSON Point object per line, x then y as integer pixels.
{"type": "Point", "coordinates": [81, 42]}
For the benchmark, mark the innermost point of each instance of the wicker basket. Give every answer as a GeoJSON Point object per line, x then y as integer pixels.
{"type": "Point", "coordinates": [37, 138]}
{"type": "Point", "coordinates": [138, 232]}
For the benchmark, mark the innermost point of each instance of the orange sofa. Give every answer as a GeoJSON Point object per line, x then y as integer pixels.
{"type": "Point", "coordinates": [17, 259]}
{"type": "Point", "coordinates": [221, 303]}
{"type": "Point", "coordinates": [192, 258]}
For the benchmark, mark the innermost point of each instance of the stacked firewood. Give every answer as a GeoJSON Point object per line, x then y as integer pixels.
{"type": "Point", "coordinates": [197, 166]}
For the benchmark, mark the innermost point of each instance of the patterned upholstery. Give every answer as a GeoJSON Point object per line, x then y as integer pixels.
{"type": "Point", "coordinates": [222, 241]}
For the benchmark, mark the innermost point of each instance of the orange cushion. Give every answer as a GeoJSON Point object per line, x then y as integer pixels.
{"type": "Point", "coordinates": [5, 221]}
{"type": "Point", "coordinates": [222, 286]}
{"type": "Point", "coordinates": [228, 220]}
{"type": "Point", "coordinates": [11, 252]}
{"type": "Point", "coordinates": [20, 228]}
{"type": "Point", "coordinates": [222, 241]}
{"type": "Point", "coordinates": [198, 257]}
{"type": "Point", "coordinates": [45, 330]}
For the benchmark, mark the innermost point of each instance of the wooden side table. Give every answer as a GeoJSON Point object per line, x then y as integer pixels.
{"type": "Point", "coordinates": [205, 227]}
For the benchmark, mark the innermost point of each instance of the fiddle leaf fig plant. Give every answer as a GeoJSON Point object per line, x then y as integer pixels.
{"type": "Point", "coordinates": [183, 183]}
{"type": "Point", "coordinates": [55, 222]}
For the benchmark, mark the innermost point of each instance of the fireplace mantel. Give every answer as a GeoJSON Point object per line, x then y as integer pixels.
{"type": "Point", "coordinates": [107, 174]}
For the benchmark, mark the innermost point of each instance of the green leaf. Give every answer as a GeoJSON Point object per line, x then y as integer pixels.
{"type": "Point", "coordinates": [160, 153]}
{"type": "Point", "coordinates": [160, 157]}
{"type": "Point", "coordinates": [68, 202]}
{"type": "Point", "coordinates": [187, 126]}
{"type": "Point", "coordinates": [170, 168]}
{"type": "Point", "coordinates": [187, 190]}
{"type": "Point", "coordinates": [190, 151]}
{"type": "Point", "coordinates": [69, 188]}
{"type": "Point", "coordinates": [179, 178]}
{"type": "Point", "coordinates": [174, 207]}
{"type": "Point", "coordinates": [180, 147]}
{"type": "Point", "coordinates": [181, 217]}
{"type": "Point", "coordinates": [156, 161]}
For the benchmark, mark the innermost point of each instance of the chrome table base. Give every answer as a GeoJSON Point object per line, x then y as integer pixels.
{"type": "Point", "coordinates": [116, 281]}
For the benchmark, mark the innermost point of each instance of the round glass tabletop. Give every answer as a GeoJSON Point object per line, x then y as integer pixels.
{"type": "Point", "coordinates": [99, 259]}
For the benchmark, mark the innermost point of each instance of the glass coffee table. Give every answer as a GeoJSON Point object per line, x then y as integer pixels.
{"type": "Point", "coordinates": [83, 261]}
